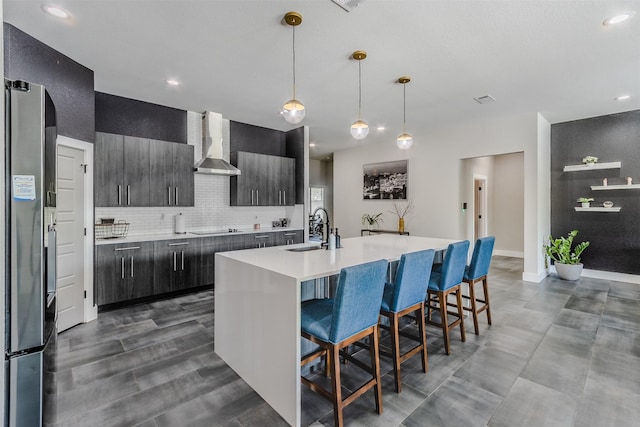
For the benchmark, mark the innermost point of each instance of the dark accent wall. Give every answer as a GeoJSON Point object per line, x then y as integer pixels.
{"type": "Point", "coordinates": [256, 139]}
{"type": "Point", "coordinates": [124, 116]}
{"type": "Point", "coordinates": [614, 237]}
{"type": "Point", "coordinates": [69, 84]}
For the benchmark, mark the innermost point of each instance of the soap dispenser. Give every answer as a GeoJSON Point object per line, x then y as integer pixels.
{"type": "Point", "coordinates": [332, 240]}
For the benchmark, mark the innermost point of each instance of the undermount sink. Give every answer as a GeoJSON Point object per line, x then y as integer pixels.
{"type": "Point", "coordinates": [304, 249]}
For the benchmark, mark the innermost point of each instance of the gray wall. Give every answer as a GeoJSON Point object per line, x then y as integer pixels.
{"type": "Point", "coordinates": [69, 83]}
{"type": "Point", "coordinates": [614, 237]}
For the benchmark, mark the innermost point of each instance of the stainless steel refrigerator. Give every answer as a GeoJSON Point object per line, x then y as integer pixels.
{"type": "Point", "coordinates": [30, 264]}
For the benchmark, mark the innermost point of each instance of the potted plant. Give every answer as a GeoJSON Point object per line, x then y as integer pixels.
{"type": "Point", "coordinates": [585, 201]}
{"type": "Point", "coordinates": [590, 160]}
{"type": "Point", "coordinates": [402, 210]}
{"type": "Point", "coordinates": [372, 220]}
{"type": "Point", "coordinates": [567, 261]}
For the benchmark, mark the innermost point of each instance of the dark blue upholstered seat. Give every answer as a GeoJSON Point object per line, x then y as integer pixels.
{"type": "Point", "coordinates": [445, 282]}
{"type": "Point", "coordinates": [475, 272]}
{"type": "Point", "coordinates": [403, 297]}
{"type": "Point", "coordinates": [335, 323]}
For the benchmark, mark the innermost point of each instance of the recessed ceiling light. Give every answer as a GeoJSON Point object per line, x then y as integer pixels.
{"type": "Point", "coordinates": [172, 82]}
{"type": "Point", "coordinates": [380, 128]}
{"type": "Point", "coordinates": [622, 97]}
{"type": "Point", "coordinates": [56, 11]}
{"type": "Point", "coordinates": [619, 18]}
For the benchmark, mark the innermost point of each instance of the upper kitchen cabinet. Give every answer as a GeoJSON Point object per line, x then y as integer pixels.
{"type": "Point", "coordinates": [171, 174]}
{"type": "Point", "coordinates": [265, 180]}
{"type": "Point", "coordinates": [121, 170]}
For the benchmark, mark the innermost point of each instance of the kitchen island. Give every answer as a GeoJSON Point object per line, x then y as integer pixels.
{"type": "Point", "coordinates": [257, 307]}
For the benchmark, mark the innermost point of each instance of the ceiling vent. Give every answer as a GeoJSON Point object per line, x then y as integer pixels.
{"type": "Point", "coordinates": [348, 5]}
{"type": "Point", "coordinates": [487, 99]}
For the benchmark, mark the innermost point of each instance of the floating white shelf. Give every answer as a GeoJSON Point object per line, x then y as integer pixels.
{"type": "Point", "coordinates": [616, 187]}
{"type": "Point", "coordinates": [598, 209]}
{"type": "Point", "coordinates": [583, 167]}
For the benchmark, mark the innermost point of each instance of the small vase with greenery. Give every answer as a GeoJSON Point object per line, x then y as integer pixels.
{"type": "Point", "coordinates": [566, 260]}
{"type": "Point", "coordinates": [585, 201]}
{"type": "Point", "coordinates": [372, 220]}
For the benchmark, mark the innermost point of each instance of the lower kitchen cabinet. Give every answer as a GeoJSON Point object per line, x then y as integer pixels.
{"type": "Point", "coordinates": [175, 265]}
{"type": "Point", "coordinates": [124, 272]}
{"type": "Point", "coordinates": [209, 247]}
{"type": "Point", "coordinates": [289, 237]}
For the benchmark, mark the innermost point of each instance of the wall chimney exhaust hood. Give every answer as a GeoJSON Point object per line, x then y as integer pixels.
{"type": "Point", "coordinates": [212, 162]}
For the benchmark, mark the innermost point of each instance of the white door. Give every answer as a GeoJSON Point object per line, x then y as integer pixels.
{"type": "Point", "coordinates": [480, 208]}
{"type": "Point", "coordinates": [70, 226]}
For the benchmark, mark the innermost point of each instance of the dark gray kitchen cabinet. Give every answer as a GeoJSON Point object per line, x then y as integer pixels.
{"type": "Point", "coordinates": [121, 170]}
{"type": "Point", "coordinates": [265, 180]}
{"type": "Point", "coordinates": [123, 271]}
{"type": "Point", "coordinates": [171, 176]}
{"type": "Point", "coordinates": [176, 265]}
{"type": "Point", "coordinates": [289, 237]}
{"type": "Point", "coordinates": [209, 247]}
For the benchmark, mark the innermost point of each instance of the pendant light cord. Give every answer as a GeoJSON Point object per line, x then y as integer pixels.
{"type": "Point", "coordinates": [359, 88]}
{"type": "Point", "coordinates": [294, 61]}
{"type": "Point", "coordinates": [404, 107]}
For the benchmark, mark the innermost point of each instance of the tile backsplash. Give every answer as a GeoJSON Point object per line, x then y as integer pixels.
{"type": "Point", "coordinates": [211, 210]}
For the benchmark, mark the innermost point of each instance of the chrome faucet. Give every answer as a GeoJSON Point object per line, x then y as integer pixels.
{"type": "Point", "coordinates": [325, 230]}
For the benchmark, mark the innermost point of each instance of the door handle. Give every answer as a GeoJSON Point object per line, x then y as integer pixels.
{"type": "Point", "coordinates": [175, 261]}
{"type": "Point", "coordinates": [132, 266]}
{"type": "Point", "coordinates": [122, 267]}
{"type": "Point", "coordinates": [182, 261]}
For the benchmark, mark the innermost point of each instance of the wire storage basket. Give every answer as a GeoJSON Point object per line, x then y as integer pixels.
{"type": "Point", "coordinates": [111, 231]}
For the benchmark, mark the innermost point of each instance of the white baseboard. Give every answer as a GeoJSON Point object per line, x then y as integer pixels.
{"type": "Point", "coordinates": [534, 277]}
{"type": "Point", "coordinates": [512, 254]}
{"type": "Point", "coordinates": [610, 275]}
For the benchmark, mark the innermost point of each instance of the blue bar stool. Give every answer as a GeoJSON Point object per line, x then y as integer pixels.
{"type": "Point", "coordinates": [333, 324]}
{"type": "Point", "coordinates": [444, 283]}
{"type": "Point", "coordinates": [403, 297]}
{"type": "Point", "coordinates": [475, 272]}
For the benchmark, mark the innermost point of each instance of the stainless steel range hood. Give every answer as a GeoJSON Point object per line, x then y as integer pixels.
{"type": "Point", "coordinates": [212, 162]}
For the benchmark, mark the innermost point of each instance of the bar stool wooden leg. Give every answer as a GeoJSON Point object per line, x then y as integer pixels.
{"type": "Point", "coordinates": [485, 288]}
{"type": "Point", "coordinates": [395, 349]}
{"type": "Point", "coordinates": [375, 363]}
{"type": "Point", "coordinates": [335, 383]}
{"type": "Point", "coordinates": [423, 338]}
{"type": "Point", "coordinates": [460, 312]}
{"type": "Point", "coordinates": [442, 301]}
{"type": "Point", "coordinates": [474, 307]}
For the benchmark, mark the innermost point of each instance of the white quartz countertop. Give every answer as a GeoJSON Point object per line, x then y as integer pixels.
{"type": "Point", "coordinates": [190, 235]}
{"type": "Point", "coordinates": [312, 264]}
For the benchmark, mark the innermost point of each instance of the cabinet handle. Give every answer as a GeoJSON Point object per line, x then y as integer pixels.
{"type": "Point", "coordinates": [257, 197]}
{"type": "Point", "coordinates": [132, 266]}
{"type": "Point", "coordinates": [279, 197]}
{"type": "Point", "coordinates": [179, 244]}
{"type": "Point", "coordinates": [169, 195]}
{"type": "Point", "coordinates": [289, 234]}
{"type": "Point", "coordinates": [284, 196]}
{"type": "Point", "coordinates": [251, 197]}
{"type": "Point", "coordinates": [175, 198]}
{"type": "Point", "coordinates": [175, 261]}
{"type": "Point", "coordinates": [122, 267]}
{"type": "Point", "coordinates": [261, 236]}
{"type": "Point", "coordinates": [128, 195]}
{"type": "Point", "coordinates": [128, 248]}
{"type": "Point", "coordinates": [119, 194]}
{"type": "Point", "coordinates": [182, 259]}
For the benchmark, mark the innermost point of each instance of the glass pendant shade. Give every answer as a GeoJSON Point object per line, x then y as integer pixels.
{"type": "Point", "coordinates": [293, 111]}
{"type": "Point", "coordinates": [359, 129]}
{"type": "Point", "coordinates": [404, 141]}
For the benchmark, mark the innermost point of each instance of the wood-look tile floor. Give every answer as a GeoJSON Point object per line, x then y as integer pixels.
{"type": "Point", "coordinates": [558, 354]}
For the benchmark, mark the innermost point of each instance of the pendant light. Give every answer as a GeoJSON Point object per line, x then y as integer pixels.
{"type": "Point", "coordinates": [404, 141]}
{"type": "Point", "coordinates": [359, 128]}
{"type": "Point", "coordinates": [293, 110]}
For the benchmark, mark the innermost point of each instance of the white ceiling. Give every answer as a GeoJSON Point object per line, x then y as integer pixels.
{"type": "Point", "coordinates": [234, 57]}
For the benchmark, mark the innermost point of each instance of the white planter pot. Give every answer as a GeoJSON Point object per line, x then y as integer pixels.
{"type": "Point", "coordinates": [585, 205]}
{"type": "Point", "coordinates": [568, 271]}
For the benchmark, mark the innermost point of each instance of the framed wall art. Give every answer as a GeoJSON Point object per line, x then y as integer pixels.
{"type": "Point", "coordinates": [386, 180]}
